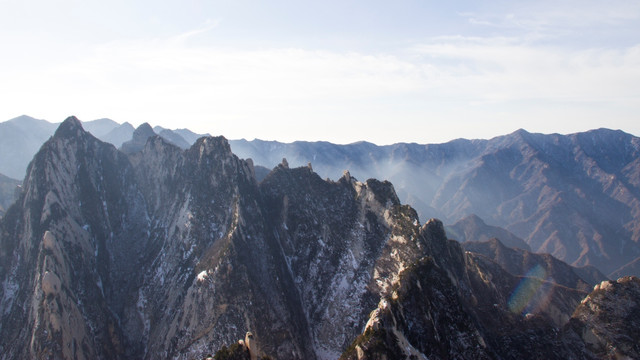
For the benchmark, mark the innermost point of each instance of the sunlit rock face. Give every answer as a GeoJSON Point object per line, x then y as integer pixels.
{"type": "Point", "coordinates": [574, 196]}
{"type": "Point", "coordinates": [169, 253]}
{"type": "Point", "coordinates": [70, 252]}
{"type": "Point", "coordinates": [455, 304]}
{"type": "Point", "coordinates": [608, 320]}
{"type": "Point", "coordinates": [344, 244]}
{"type": "Point", "coordinates": [161, 252]}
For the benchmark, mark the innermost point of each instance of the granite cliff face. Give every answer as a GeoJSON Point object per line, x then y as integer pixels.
{"type": "Point", "coordinates": [160, 252]}
{"type": "Point", "coordinates": [484, 312]}
{"type": "Point", "coordinates": [574, 196]}
{"type": "Point", "coordinates": [63, 268]}
{"type": "Point", "coordinates": [457, 304]}
{"type": "Point", "coordinates": [608, 320]}
{"type": "Point", "coordinates": [170, 253]}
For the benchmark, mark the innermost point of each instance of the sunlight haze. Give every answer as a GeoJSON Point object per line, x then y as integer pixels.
{"type": "Point", "coordinates": [340, 71]}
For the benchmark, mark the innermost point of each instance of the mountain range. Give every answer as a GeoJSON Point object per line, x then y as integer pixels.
{"type": "Point", "coordinates": [163, 252]}
{"type": "Point", "coordinates": [574, 196]}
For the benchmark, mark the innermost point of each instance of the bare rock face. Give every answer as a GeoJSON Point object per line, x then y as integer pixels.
{"type": "Point", "coordinates": [608, 320]}
{"type": "Point", "coordinates": [169, 253]}
{"type": "Point", "coordinates": [455, 304]}
{"type": "Point", "coordinates": [423, 318]}
{"type": "Point", "coordinates": [63, 269]}
{"type": "Point", "coordinates": [574, 196]}
{"type": "Point", "coordinates": [342, 244]}
{"type": "Point", "coordinates": [165, 253]}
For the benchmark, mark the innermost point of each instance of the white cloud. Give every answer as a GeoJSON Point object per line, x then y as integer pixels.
{"type": "Point", "coordinates": [485, 85]}
{"type": "Point", "coordinates": [502, 69]}
{"type": "Point", "coordinates": [554, 15]}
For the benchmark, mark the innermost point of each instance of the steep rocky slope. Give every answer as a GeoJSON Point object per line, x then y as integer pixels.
{"type": "Point", "coordinates": [172, 253]}
{"type": "Point", "coordinates": [21, 137]}
{"type": "Point", "coordinates": [472, 228]}
{"type": "Point", "coordinates": [575, 196]}
{"type": "Point", "coordinates": [168, 253]}
{"type": "Point", "coordinates": [608, 320]}
{"type": "Point", "coordinates": [456, 304]}
{"type": "Point", "coordinates": [343, 242]}
{"type": "Point", "coordinates": [63, 267]}
{"type": "Point", "coordinates": [481, 311]}
{"type": "Point", "coordinates": [520, 262]}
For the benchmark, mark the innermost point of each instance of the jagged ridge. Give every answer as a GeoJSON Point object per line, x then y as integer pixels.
{"type": "Point", "coordinates": [165, 253]}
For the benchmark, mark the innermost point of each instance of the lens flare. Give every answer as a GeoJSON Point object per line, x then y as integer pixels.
{"type": "Point", "coordinates": [532, 293]}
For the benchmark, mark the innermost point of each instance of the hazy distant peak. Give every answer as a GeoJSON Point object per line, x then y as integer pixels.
{"type": "Point", "coordinates": [139, 139]}
{"type": "Point", "coordinates": [99, 127]}
{"type": "Point", "coordinates": [473, 228]}
{"type": "Point", "coordinates": [24, 118]}
{"type": "Point", "coordinates": [144, 130]}
{"type": "Point", "coordinates": [173, 138]}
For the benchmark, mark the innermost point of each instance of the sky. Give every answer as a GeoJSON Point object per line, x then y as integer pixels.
{"type": "Point", "coordinates": [339, 71]}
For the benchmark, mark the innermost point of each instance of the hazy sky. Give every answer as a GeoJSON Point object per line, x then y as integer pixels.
{"type": "Point", "coordinates": [342, 71]}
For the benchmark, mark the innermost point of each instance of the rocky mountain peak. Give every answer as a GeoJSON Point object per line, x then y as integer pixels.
{"type": "Point", "coordinates": [521, 134]}
{"type": "Point", "coordinates": [143, 132]}
{"type": "Point", "coordinates": [608, 320]}
{"type": "Point", "coordinates": [434, 228]}
{"type": "Point", "coordinates": [170, 253]}
{"type": "Point", "coordinates": [140, 136]}
{"type": "Point", "coordinates": [71, 127]}
{"type": "Point", "coordinates": [383, 191]}
{"type": "Point", "coordinates": [217, 146]}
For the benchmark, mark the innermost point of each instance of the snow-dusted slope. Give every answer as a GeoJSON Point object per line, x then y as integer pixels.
{"type": "Point", "coordinates": [168, 253]}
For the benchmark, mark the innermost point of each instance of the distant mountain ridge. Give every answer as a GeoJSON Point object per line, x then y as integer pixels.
{"type": "Point", "coordinates": [21, 137]}
{"type": "Point", "coordinates": [472, 228]}
{"type": "Point", "coordinates": [574, 196]}
{"type": "Point", "coordinates": [520, 262]}
{"type": "Point", "coordinates": [169, 253]}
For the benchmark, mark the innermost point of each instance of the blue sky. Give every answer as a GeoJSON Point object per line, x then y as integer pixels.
{"type": "Point", "coordinates": [342, 71]}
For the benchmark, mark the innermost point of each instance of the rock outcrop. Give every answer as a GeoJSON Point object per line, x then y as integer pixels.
{"type": "Point", "coordinates": [576, 197]}
{"type": "Point", "coordinates": [169, 253]}
{"type": "Point", "coordinates": [608, 320]}
{"type": "Point", "coordinates": [457, 304]}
